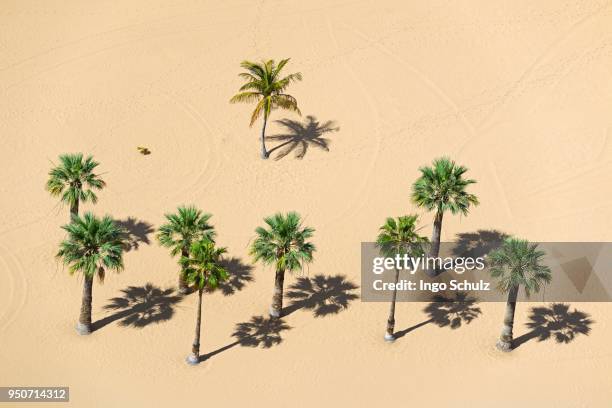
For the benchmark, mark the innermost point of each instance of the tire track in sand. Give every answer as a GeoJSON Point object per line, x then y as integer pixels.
{"type": "Point", "coordinates": [204, 177]}
{"type": "Point", "coordinates": [517, 88]}
{"type": "Point", "coordinates": [13, 279]}
{"type": "Point", "coordinates": [362, 197]}
{"type": "Point", "coordinates": [439, 92]}
{"type": "Point", "coordinates": [96, 35]}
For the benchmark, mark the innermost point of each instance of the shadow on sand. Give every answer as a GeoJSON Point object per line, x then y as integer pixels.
{"type": "Point", "coordinates": [447, 312]}
{"type": "Point", "coordinates": [323, 295]}
{"type": "Point", "coordinates": [556, 322]}
{"type": "Point", "coordinates": [479, 243]}
{"type": "Point", "coordinates": [259, 331]}
{"type": "Point", "coordinates": [140, 306]}
{"type": "Point", "coordinates": [299, 137]}
{"type": "Point", "coordinates": [136, 232]}
{"type": "Point", "coordinates": [239, 275]}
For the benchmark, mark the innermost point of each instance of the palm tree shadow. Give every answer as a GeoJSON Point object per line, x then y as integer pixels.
{"type": "Point", "coordinates": [140, 306]}
{"type": "Point", "coordinates": [136, 232]}
{"type": "Point", "coordinates": [323, 295]}
{"type": "Point", "coordinates": [299, 137]}
{"type": "Point", "coordinates": [239, 275]}
{"type": "Point", "coordinates": [478, 244]}
{"type": "Point", "coordinates": [259, 331]}
{"type": "Point", "coordinates": [448, 312]}
{"type": "Point", "coordinates": [555, 322]}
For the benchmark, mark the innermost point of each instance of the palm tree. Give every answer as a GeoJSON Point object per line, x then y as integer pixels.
{"type": "Point", "coordinates": [399, 237]}
{"type": "Point", "coordinates": [73, 180]}
{"type": "Point", "coordinates": [202, 269]}
{"type": "Point", "coordinates": [517, 263]}
{"type": "Point", "coordinates": [442, 188]}
{"type": "Point", "coordinates": [265, 86]}
{"type": "Point", "coordinates": [284, 244]}
{"type": "Point", "coordinates": [186, 226]}
{"type": "Point", "coordinates": [93, 246]}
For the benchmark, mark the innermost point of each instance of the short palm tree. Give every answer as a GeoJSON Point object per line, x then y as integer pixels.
{"type": "Point", "coordinates": [73, 180]}
{"type": "Point", "coordinates": [265, 86]}
{"type": "Point", "coordinates": [517, 263]}
{"type": "Point", "coordinates": [442, 188]}
{"type": "Point", "coordinates": [183, 228]}
{"type": "Point", "coordinates": [93, 246]}
{"type": "Point", "coordinates": [204, 271]}
{"type": "Point", "coordinates": [283, 243]}
{"type": "Point", "coordinates": [398, 237]}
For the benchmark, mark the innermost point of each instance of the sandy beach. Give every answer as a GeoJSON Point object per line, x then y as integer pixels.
{"type": "Point", "coordinates": [520, 93]}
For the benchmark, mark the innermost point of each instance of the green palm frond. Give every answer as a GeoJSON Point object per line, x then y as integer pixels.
{"type": "Point", "coordinates": [247, 97]}
{"type": "Point", "coordinates": [93, 245]}
{"type": "Point", "coordinates": [248, 77]}
{"type": "Point", "coordinates": [255, 69]}
{"type": "Point", "coordinates": [261, 107]}
{"type": "Point", "coordinates": [518, 263]}
{"type": "Point", "coordinates": [203, 265]}
{"type": "Point", "coordinates": [283, 83]}
{"type": "Point", "coordinates": [275, 70]}
{"type": "Point", "coordinates": [264, 87]}
{"type": "Point", "coordinates": [284, 242]}
{"type": "Point", "coordinates": [74, 180]}
{"type": "Point", "coordinates": [184, 227]}
{"type": "Point", "coordinates": [400, 236]}
{"type": "Point", "coordinates": [287, 102]}
{"type": "Point", "coordinates": [442, 187]}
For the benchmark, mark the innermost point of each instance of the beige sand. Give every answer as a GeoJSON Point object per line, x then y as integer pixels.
{"type": "Point", "coordinates": [520, 92]}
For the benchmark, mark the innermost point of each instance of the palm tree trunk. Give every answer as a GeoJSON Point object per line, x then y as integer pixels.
{"type": "Point", "coordinates": [435, 241]}
{"type": "Point", "coordinates": [391, 321]}
{"type": "Point", "coordinates": [505, 340]}
{"type": "Point", "coordinates": [182, 282]}
{"type": "Point", "coordinates": [194, 357]}
{"type": "Point", "coordinates": [74, 209]}
{"type": "Point", "coordinates": [264, 152]}
{"type": "Point", "coordinates": [84, 324]}
{"type": "Point", "coordinates": [277, 298]}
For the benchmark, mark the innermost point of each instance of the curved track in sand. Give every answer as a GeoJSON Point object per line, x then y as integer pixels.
{"type": "Point", "coordinates": [14, 289]}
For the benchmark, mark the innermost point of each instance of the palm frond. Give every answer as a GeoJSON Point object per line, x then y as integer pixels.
{"type": "Point", "coordinates": [441, 187]}
{"type": "Point", "coordinates": [245, 97]}
{"type": "Point", "coordinates": [259, 109]}
{"type": "Point", "coordinates": [518, 263]}
{"type": "Point", "coordinates": [187, 225]}
{"type": "Point", "coordinates": [263, 86]}
{"type": "Point", "coordinates": [284, 242]}
{"type": "Point", "coordinates": [287, 102]}
{"type": "Point", "coordinates": [74, 180]}
{"type": "Point", "coordinates": [92, 246]}
{"type": "Point", "coordinates": [203, 266]}
{"type": "Point", "coordinates": [400, 236]}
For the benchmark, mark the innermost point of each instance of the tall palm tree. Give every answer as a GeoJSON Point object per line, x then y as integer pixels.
{"type": "Point", "coordinates": [516, 264]}
{"type": "Point", "coordinates": [398, 237]}
{"type": "Point", "coordinates": [202, 269]}
{"type": "Point", "coordinates": [442, 188]}
{"type": "Point", "coordinates": [265, 86]}
{"type": "Point", "coordinates": [93, 246]}
{"type": "Point", "coordinates": [73, 180]}
{"type": "Point", "coordinates": [183, 228]}
{"type": "Point", "coordinates": [285, 244]}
